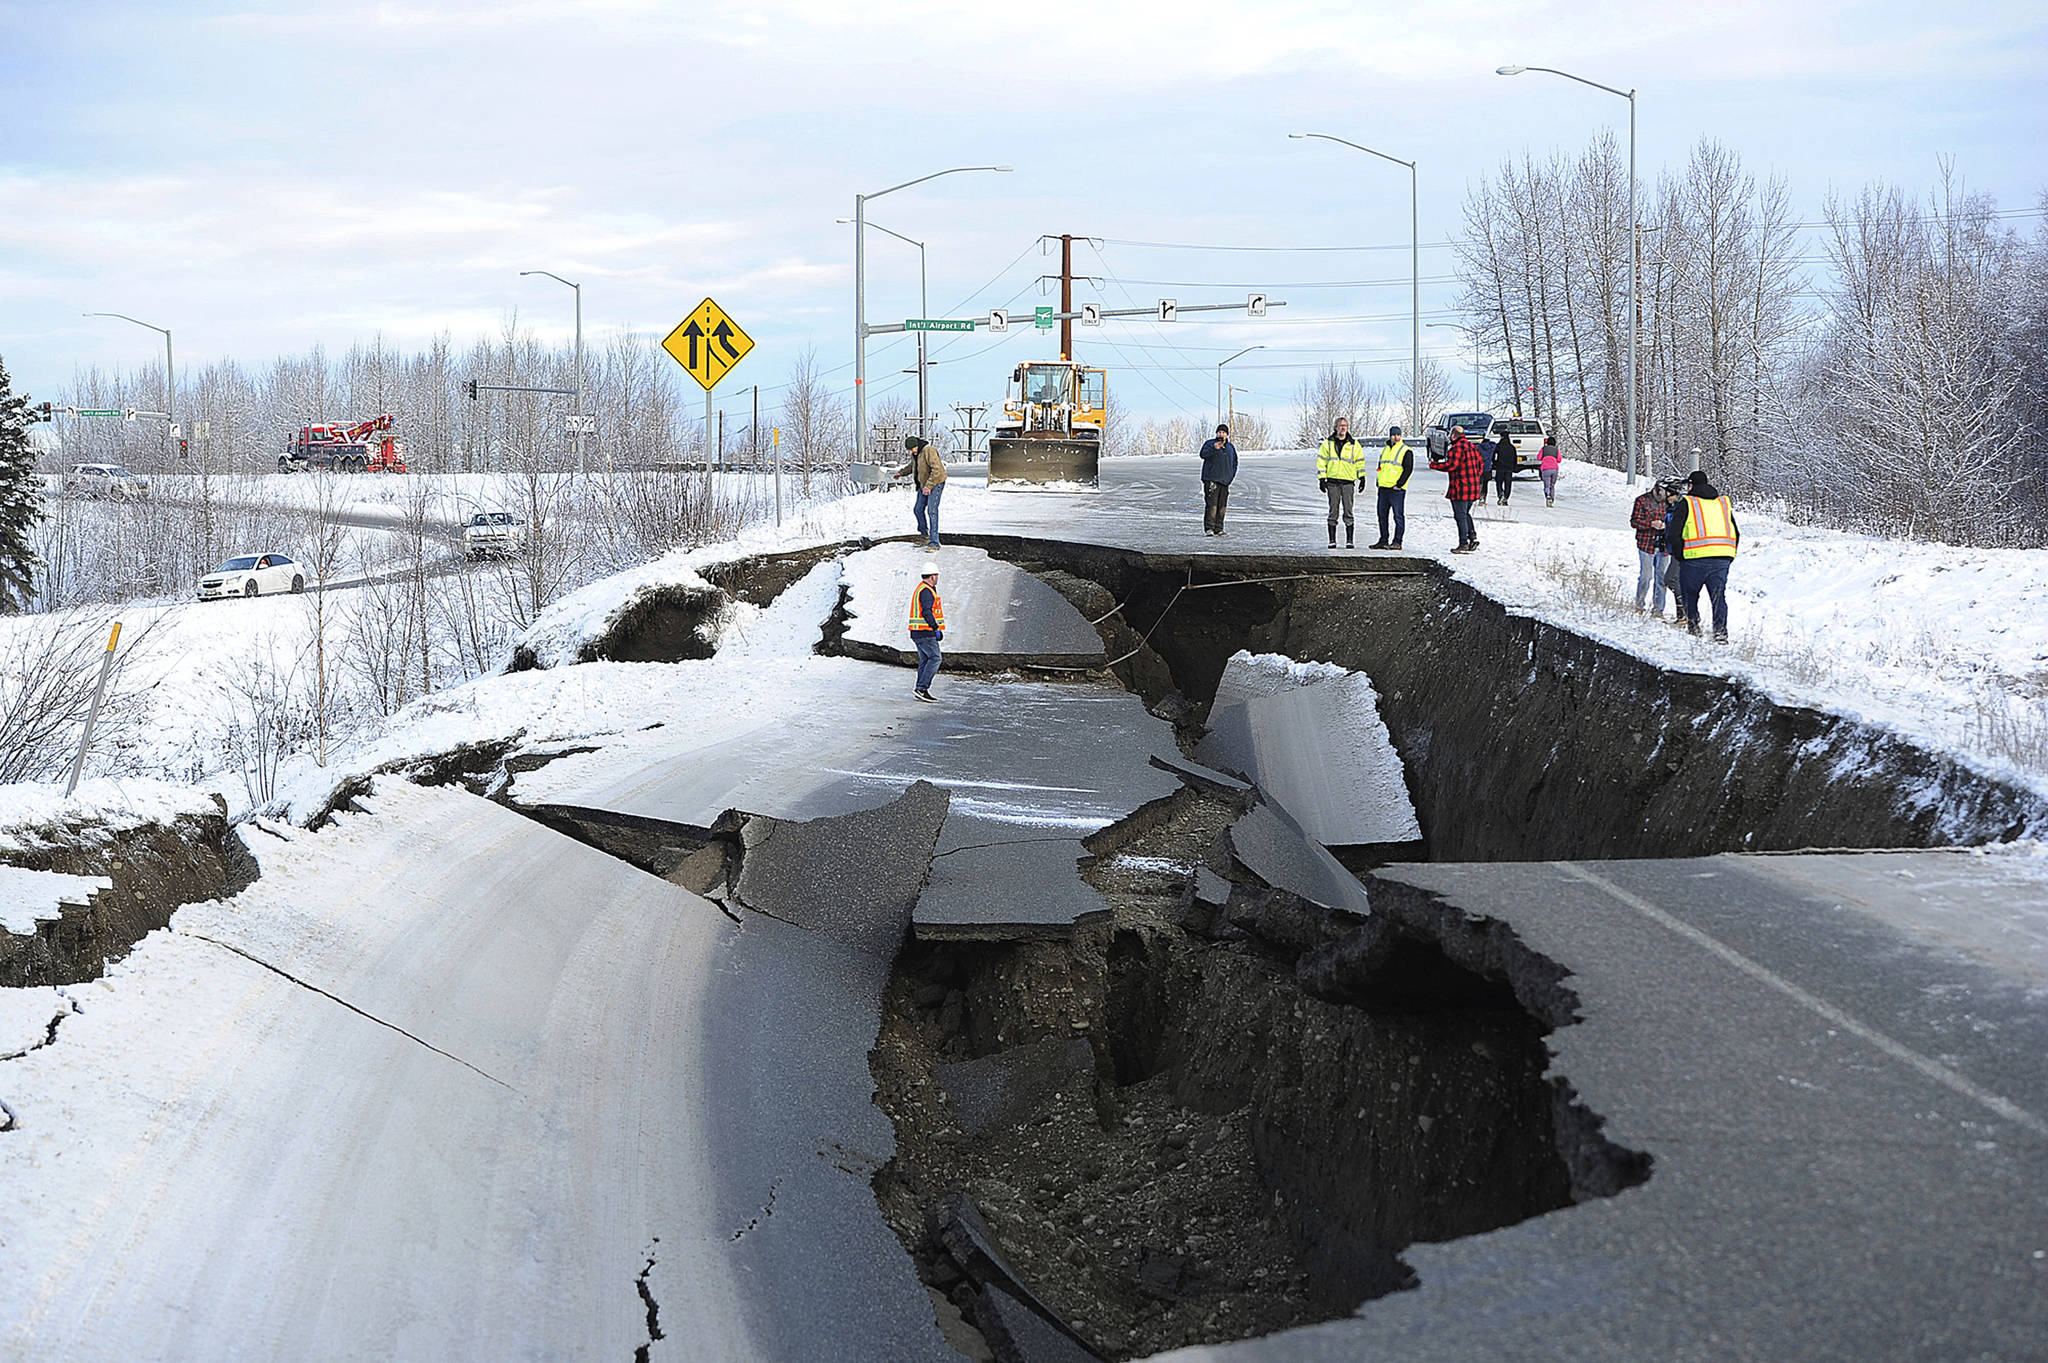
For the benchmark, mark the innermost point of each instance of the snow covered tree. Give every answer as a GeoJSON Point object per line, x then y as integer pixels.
{"type": "Point", "coordinates": [21, 500]}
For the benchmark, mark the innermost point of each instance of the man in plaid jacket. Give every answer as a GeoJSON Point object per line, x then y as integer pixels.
{"type": "Point", "coordinates": [1468, 484]}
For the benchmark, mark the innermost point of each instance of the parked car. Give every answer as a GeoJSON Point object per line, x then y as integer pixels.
{"type": "Point", "coordinates": [493, 534]}
{"type": "Point", "coordinates": [1527, 435]}
{"type": "Point", "coordinates": [253, 575]}
{"type": "Point", "coordinates": [1438, 438]}
{"type": "Point", "coordinates": [105, 480]}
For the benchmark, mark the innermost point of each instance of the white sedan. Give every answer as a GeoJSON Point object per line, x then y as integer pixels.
{"type": "Point", "coordinates": [253, 575]}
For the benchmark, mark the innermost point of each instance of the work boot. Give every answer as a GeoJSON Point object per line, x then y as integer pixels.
{"type": "Point", "coordinates": [1395, 545]}
{"type": "Point", "coordinates": [1550, 501]}
{"type": "Point", "coordinates": [1379, 543]}
{"type": "Point", "coordinates": [1349, 542]}
{"type": "Point", "coordinates": [1720, 636]}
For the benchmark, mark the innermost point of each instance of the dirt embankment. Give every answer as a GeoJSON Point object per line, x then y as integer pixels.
{"type": "Point", "coordinates": [155, 869]}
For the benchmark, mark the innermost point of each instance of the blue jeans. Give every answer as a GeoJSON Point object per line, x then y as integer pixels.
{"type": "Point", "coordinates": [1461, 512]}
{"type": "Point", "coordinates": [1711, 573]}
{"type": "Point", "coordinates": [1650, 574]}
{"type": "Point", "coordinates": [1393, 499]}
{"type": "Point", "coordinates": [928, 514]}
{"type": "Point", "coordinates": [927, 658]}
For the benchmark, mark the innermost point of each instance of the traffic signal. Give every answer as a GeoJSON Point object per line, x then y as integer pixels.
{"type": "Point", "coordinates": [470, 389]}
{"type": "Point", "coordinates": [184, 447]}
{"type": "Point", "coordinates": [48, 410]}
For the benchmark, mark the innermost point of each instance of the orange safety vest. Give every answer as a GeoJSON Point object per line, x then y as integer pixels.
{"type": "Point", "coordinates": [1709, 529]}
{"type": "Point", "coordinates": [917, 624]}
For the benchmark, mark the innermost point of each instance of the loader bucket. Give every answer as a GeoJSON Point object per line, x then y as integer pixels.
{"type": "Point", "coordinates": [1054, 464]}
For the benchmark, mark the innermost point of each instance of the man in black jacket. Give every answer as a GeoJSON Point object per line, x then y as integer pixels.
{"type": "Point", "coordinates": [1219, 467]}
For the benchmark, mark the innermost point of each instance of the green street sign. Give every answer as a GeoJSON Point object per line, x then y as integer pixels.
{"type": "Point", "coordinates": [101, 411]}
{"type": "Point", "coordinates": [1043, 317]}
{"type": "Point", "coordinates": [938, 324]}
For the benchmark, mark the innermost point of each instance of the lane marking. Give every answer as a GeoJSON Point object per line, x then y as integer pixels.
{"type": "Point", "coordinates": [1932, 1069]}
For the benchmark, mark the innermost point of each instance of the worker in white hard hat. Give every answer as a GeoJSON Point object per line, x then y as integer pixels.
{"type": "Point", "coordinates": [927, 626]}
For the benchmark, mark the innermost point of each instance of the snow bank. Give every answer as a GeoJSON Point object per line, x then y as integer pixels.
{"type": "Point", "coordinates": [31, 897]}
{"type": "Point", "coordinates": [36, 815]}
{"type": "Point", "coordinates": [791, 626]}
{"type": "Point", "coordinates": [25, 1017]}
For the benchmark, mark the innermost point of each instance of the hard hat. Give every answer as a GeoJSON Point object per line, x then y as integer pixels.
{"type": "Point", "coordinates": [930, 569]}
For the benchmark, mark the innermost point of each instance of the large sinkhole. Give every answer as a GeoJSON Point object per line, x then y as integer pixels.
{"type": "Point", "coordinates": [1152, 1133]}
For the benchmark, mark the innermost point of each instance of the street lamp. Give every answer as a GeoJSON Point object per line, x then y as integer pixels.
{"type": "Point", "coordinates": [1414, 272]}
{"type": "Point", "coordinates": [170, 374]}
{"type": "Point", "coordinates": [923, 310]}
{"type": "Point", "coordinates": [1472, 334]}
{"type": "Point", "coordinates": [1630, 96]}
{"type": "Point", "coordinates": [1219, 377]}
{"type": "Point", "coordinates": [860, 298]}
{"type": "Point", "coordinates": [577, 438]}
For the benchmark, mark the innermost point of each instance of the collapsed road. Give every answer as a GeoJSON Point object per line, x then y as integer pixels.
{"type": "Point", "coordinates": [1105, 1010]}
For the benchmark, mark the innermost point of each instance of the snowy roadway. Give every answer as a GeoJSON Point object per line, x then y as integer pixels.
{"type": "Point", "coordinates": [445, 1085]}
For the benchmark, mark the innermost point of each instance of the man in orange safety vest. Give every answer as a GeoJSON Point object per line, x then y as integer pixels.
{"type": "Point", "coordinates": [927, 627]}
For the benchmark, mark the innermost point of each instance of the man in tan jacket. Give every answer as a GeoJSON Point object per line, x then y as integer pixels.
{"type": "Point", "coordinates": [929, 471]}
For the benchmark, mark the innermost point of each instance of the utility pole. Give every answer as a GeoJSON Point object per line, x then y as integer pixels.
{"type": "Point", "coordinates": [970, 414]}
{"type": "Point", "coordinates": [1066, 295]}
{"type": "Point", "coordinates": [754, 430]}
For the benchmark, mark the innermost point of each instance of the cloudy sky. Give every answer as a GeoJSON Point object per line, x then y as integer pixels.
{"type": "Point", "coordinates": [263, 177]}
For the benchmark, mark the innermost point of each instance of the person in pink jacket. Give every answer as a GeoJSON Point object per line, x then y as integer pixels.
{"type": "Point", "coordinates": [1547, 465]}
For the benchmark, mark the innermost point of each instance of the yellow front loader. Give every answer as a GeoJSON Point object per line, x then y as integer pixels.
{"type": "Point", "coordinates": [1049, 434]}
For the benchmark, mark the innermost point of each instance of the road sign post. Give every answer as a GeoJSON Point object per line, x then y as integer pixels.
{"type": "Point", "coordinates": [92, 714]}
{"type": "Point", "coordinates": [707, 344]}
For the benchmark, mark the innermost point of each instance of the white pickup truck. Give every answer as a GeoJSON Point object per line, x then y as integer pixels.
{"type": "Point", "coordinates": [493, 534]}
{"type": "Point", "coordinates": [1526, 433]}
{"type": "Point", "coordinates": [105, 480]}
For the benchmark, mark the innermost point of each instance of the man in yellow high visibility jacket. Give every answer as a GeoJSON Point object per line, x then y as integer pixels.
{"type": "Point", "coordinates": [1339, 461]}
{"type": "Point", "coordinates": [1397, 463]}
{"type": "Point", "coordinates": [1702, 535]}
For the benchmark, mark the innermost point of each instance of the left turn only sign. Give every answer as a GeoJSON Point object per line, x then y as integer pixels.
{"type": "Point", "coordinates": [708, 344]}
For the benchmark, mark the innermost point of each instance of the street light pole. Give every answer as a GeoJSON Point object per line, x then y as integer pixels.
{"type": "Point", "coordinates": [1219, 378]}
{"type": "Point", "coordinates": [170, 373]}
{"type": "Point", "coordinates": [923, 308]}
{"type": "Point", "coordinates": [1414, 273]}
{"type": "Point", "coordinates": [1472, 335]}
{"type": "Point", "coordinates": [860, 299]}
{"type": "Point", "coordinates": [576, 439]}
{"type": "Point", "coordinates": [1630, 96]}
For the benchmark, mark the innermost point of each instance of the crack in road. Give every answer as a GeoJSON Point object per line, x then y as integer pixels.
{"type": "Point", "coordinates": [49, 1033]}
{"type": "Point", "coordinates": [641, 1354]}
{"type": "Point", "coordinates": [767, 1210]}
{"type": "Point", "coordinates": [314, 988]}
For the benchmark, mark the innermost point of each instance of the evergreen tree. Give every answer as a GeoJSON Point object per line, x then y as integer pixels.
{"type": "Point", "coordinates": [21, 501]}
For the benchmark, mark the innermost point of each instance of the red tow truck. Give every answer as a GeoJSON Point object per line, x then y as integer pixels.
{"type": "Point", "coordinates": [366, 447]}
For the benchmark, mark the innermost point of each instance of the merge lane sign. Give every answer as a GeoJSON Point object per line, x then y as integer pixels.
{"type": "Point", "coordinates": [708, 344]}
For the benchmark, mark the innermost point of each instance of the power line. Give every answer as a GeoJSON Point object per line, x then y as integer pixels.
{"type": "Point", "coordinates": [1200, 246]}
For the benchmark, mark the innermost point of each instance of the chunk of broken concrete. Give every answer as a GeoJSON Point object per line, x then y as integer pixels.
{"type": "Point", "coordinates": [1018, 1334]}
{"type": "Point", "coordinates": [853, 877]}
{"type": "Point", "coordinates": [1001, 1089]}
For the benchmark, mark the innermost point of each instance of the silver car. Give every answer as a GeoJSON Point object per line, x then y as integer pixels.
{"type": "Point", "coordinates": [105, 480]}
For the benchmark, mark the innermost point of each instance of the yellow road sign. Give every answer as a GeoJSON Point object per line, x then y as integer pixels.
{"type": "Point", "coordinates": [708, 344]}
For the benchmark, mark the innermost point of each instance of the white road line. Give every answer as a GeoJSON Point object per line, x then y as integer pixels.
{"type": "Point", "coordinates": [1933, 1069]}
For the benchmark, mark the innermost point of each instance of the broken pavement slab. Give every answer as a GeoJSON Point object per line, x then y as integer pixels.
{"type": "Point", "coordinates": [997, 615]}
{"type": "Point", "coordinates": [1310, 736]}
{"type": "Point", "coordinates": [1843, 1095]}
{"type": "Point", "coordinates": [854, 877]}
{"type": "Point", "coordinates": [999, 1089]}
{"type": "Point", "coordinates": [441, 1024]}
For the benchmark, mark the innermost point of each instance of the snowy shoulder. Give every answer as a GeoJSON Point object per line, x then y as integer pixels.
{"type": "Point", "coordinates": [37, 814]}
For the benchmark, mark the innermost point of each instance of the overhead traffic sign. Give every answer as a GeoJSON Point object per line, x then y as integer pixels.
{"type": "Point", "coordinates": [1091, 314]}
{"type": "Point", "coordinates": [1255, 305]}
{"type": "Point", "coordinates": [1169, 309]}
{"type": "Point", "coordinates": [938, 324]}
{"type": "Point", "coordinates": [708, 344]}
{"type": "Point", "coordinates": [998, 320]}
{"type": "Point", "coordinates": [1042, 318]}
{"type": "Point", "coordinates": [101, 411]}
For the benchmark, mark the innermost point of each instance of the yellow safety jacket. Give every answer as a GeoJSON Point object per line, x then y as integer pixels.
{"type": "Point", "coordinates": [917, 620]}
{"type": "Point", "coordinates": [1709, 529]}
{"type": "Point", "coordinates": [1390, 462]}
{"type": "Point", "coordinates": [1341, 462]}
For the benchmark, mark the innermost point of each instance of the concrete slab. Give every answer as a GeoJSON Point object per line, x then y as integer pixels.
{"type": "Point", "coordinates": [853, 877]}
{"type": "Point", "coordinates": [1310, 736]}
{"type": "Point", "coordinates": [1026, 765]}
{"type": "Point", "coordinates": [1844, 1094]}
{"type": "Point", "coordinates": [1276, 849]}
{"type": "Point", "coordinates": [445, 1084]}
{"type": "Point", "coordinates": [999, 1089]}
{"type": "Point", "coordinates": [997, 615]}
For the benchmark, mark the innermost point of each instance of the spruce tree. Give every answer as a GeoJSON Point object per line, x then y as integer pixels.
{"type": "Point", "coordinates": [21, 501]}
